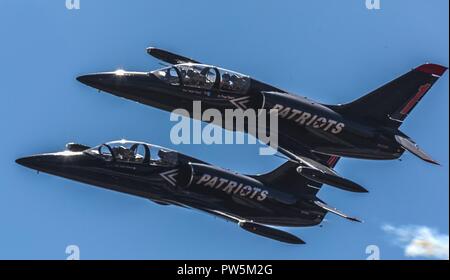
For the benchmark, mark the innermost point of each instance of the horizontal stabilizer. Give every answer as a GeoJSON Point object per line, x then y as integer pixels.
{"type": "Point", "coordinates": [331, 179]}
{"type": "Point", "coordinates": [270, 232]}
{"type": "Point", "coordinates": [307, 161]}
{"type": "Point", "coordinates": [336, 212]}
{"type": "Point", "coordinates": [409, 145]}
{"type": "Point", "coordinates": [320, 173]}
{"type": "Point", "coordinates": [169, 57]}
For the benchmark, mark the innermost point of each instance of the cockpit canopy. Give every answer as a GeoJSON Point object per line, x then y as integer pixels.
{"type": "Point", "coordinates": [204, 76]}
{"type": "Point", "coordinates": [134, 152]}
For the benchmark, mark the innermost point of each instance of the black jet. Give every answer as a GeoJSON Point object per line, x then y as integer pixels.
{"type": "Point", "coordinates": [366, 128]}
{"type": "Point", "coordinates": [256, 203]}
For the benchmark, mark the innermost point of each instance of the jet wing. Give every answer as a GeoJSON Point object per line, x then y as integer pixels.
{"type": "Point", "coordinates": [335, 211]}
{"type": "Point", "coordinates": [259, 229]}
{"type": "Point", "coordinates": [169, 57]}
{"type": "Point", "coordinates": [318, 172]}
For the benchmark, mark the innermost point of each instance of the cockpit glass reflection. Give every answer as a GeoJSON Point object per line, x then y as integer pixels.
{"type": "Point", "coordinates": [168, 75]}
{"type": "Point", "coordinates": [204, 77]}
{"type": "Point", "coordinates": [197, 75]}
{"type": "Point", "coordinates": [134, 152]}
{"type": "Point", "coordinates": [232, 81]}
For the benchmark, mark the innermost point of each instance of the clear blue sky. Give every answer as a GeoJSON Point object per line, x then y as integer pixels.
{"type": "Point", "coordinates": [330, 51]}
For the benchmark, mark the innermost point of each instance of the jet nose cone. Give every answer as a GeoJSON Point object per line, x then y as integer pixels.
{"type": "Point", "coordinates": [33, 162]}
{"type": "Point", "coordinates": [47, 162]}
{"type": "Point", "coordinates": [120, 82]}
{"type": "Point", "coordinates": [23, 161]}
{"type": "Point", "coordinates": [65, 163]}
{"type": "Point", "coordinates": [113, 82]}
{"type": "Point", "coordinates": [94, 80]}
{"type": "Point", "coordinates": [86, 79]}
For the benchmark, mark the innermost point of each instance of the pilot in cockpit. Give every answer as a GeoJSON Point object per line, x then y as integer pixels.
{"type": "Point", "coordinates": [122, 153]}
{"type": "Point", "coordinates": [234, 81]}
{"type": "Point", "coordinates": [226, 83]}
{"type": "Point", "coordinates": [189, 74]}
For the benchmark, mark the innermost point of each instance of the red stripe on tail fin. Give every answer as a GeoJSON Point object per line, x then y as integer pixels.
{"type": "Point", "coordinates": [422, 90]}
{"type": "Point", "coordinates": [433, 69]}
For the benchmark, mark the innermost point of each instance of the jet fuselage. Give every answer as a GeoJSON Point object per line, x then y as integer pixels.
{"type": "Point", "coordinates": [182, 181]}
{"type": "Point", "coordinates": [303, 124]}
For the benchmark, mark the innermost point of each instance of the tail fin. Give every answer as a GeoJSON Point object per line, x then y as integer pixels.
{"type": "Point", "coordinates": [287, 178]}
{"type": "Point", "coordinates": [390, 104]}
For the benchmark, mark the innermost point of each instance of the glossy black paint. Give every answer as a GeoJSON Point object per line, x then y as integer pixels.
{"type": "Point", "coordinates": [177, 179]}
{"type": "Point", "coordinates": [340, 130]}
